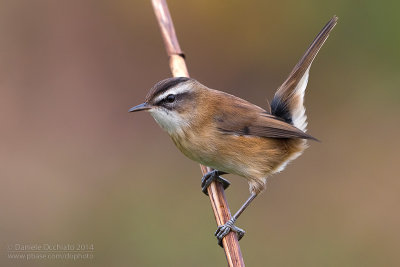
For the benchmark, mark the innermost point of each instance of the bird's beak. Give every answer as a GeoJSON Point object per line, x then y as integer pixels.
{"type": "Point", "coordinates": [143, 106]}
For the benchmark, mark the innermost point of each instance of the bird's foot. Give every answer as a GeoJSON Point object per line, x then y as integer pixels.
{"type": "Point", "coordinates": [223, 230]}
{"type": "Point", "coordinates": [211, 176]}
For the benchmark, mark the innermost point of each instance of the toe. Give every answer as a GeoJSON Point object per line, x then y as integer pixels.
{"type": "Point", "coordinates": [225, 183]}
{"type": "Point", "coordinates": [224, 231]}
{"type": "Point", "coordinates": [240, 232]}
{"type": "Point", "coordinates": [219, 231]}
{"type": "Point", "coordinates": [204, 180]}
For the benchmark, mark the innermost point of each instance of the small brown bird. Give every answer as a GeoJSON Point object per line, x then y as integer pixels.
{"type": "Point", "coordinates": [231, 135]}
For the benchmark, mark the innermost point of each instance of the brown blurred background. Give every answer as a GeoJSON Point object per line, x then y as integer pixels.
{"type": "Point", "coordinates": [76, 167]}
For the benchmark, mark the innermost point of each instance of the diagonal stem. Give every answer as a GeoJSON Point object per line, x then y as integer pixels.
{"type": "Point", "coordinates": [215, 190]}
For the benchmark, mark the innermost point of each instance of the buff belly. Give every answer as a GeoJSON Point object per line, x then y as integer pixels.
{"type": "Point", "coordinates": [251, 157]}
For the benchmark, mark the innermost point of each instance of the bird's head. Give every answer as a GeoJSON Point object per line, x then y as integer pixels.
{"type": "Point", "coordinates": [172, 103]}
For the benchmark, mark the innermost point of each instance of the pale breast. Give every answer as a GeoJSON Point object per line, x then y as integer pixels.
{"type": "Point", "coordinates": [246, 156]}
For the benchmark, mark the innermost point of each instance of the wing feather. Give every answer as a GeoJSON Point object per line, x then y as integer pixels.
{"type": "Point", "coordinates": [254, 121]}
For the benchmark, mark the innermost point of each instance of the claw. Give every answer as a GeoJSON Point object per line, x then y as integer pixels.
{"type": "Point", "coordinates": [211, 176]}
{"type": "Point", "coordinates": [223, 230]}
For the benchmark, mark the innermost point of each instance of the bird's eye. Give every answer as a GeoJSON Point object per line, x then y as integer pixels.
{"type": "Point", "coordinates": [170, 98]}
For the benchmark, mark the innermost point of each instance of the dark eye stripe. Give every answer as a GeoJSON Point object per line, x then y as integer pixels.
{"type": "Point", "coordinates": [165, 103]}
{"type": "Point", "coordinates": [164, 85]}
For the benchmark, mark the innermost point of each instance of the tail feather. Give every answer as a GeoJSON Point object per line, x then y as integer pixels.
{"type": "Point", "coordinates": [288, 102]}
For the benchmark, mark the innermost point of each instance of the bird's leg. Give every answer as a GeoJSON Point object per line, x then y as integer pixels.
{"type": "Point", "coordinates": [211, 176]}
{"type": "Point", "coordinates": [223, 230]}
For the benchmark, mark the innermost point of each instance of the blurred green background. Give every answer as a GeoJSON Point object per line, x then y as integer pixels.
{"type": "Point", "coordinates": [77, 168]}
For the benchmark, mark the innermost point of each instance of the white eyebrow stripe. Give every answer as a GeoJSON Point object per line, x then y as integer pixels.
{"type": "Point", "coordinates": [174, 91]}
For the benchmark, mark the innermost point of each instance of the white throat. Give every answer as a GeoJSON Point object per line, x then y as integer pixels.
{"type": "Point", "coordinates": [169, 120]}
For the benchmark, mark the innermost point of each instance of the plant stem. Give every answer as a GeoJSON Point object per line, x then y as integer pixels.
{"type": "Point", "coordinates": [215, 190]}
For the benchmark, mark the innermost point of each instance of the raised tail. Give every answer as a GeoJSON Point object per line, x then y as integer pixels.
{"type": "Point", "coordinates": [288, 102]}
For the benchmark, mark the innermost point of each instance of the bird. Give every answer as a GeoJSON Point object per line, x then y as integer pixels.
{"type": "Point", "coordinates": [232, 135]}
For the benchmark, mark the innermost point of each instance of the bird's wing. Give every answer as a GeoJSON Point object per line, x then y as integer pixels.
{"type": "Point", "coordinates": [253, 121]}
